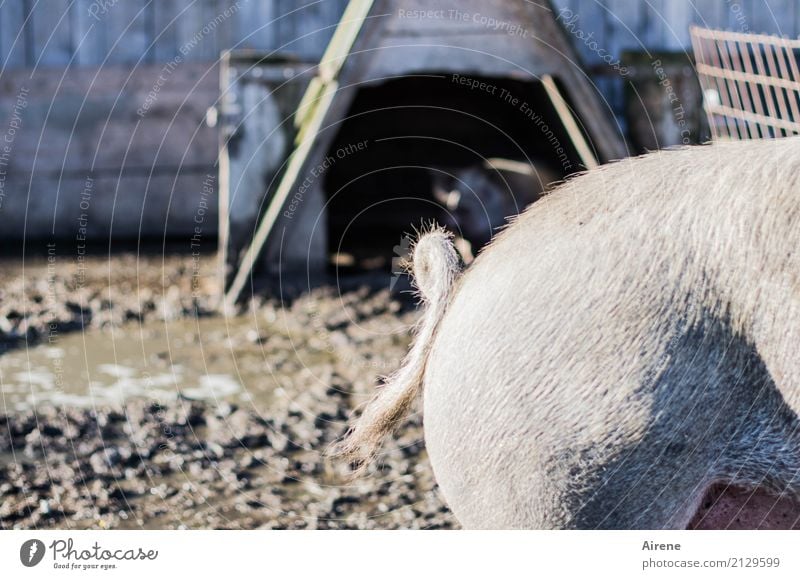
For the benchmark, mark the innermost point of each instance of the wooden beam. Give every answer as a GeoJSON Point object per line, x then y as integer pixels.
{"type": "Point", "coordinates": [310, 114]}
{"type": "Point", "coordinates": [568, 120]}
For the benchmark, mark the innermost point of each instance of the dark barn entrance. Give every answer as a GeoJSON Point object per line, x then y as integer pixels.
{"type": "Point", "coordinates": [410, 128]}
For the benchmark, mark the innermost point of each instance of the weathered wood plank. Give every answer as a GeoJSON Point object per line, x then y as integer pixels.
{"type": "Point", "coordinates": [774, 17]}
{"type": "Point", "coordinates": [127, 34]}
{"type": "Point", "coordinates": [100, 138]}
{"type": "Point", "coordinates": [255, 25]}
{"type": "Point", "coordinates": [653, 29]}
{"type": "Point", "coordinates": [710, 13]}
{"type": "Point", "coordinates": [677, 17]}
{"type": "Point", "coordinates": [622, 21]}
{"type": "Point", "coordinates": [199, 28]}
{"type": "Point", "coordinates": [90, 33]}
{"type": "Point", "coordinates": [12, 35]}
{"type": "Point", "coordinates": [226, 33]}
{"type": "Point", "coordinates": [53, 33]}
{"type": "Point", "coordinates": [311, 31]}
{"type": "Point", "coordinates": [739, 16]}
{"type": "Point", "coordinates": [286, 27]}
{"type": "Point", "coordinates": [584, 25]}
{"type": "Point", "coordinates": [166, 204]}
{"type": "Point", "coordinates": [167, 16]}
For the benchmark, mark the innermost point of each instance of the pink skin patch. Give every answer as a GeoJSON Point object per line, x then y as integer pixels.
{"type": "Point", "coordinates": [726, 507]}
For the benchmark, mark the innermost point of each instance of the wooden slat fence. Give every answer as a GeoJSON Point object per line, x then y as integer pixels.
{"type": "Point", "coordinates": [57, 33]}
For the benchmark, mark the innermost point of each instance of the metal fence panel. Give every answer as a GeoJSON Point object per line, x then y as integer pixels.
{"type": "Point", "coordinates": [751, 84]}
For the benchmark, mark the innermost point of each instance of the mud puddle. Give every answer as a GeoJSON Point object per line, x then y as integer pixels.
{"type": "Point", "coordinates": [211, 359]}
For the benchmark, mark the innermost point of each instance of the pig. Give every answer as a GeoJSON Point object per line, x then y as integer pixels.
{"type": "Point", "coordinates": [627, 343]}
{"type": "Point", "coordinates": [477, 199]}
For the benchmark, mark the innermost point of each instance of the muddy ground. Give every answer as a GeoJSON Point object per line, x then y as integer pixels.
{"type": "Point", "coordinates": [186, 463]}
{"type": "Point", "coordinates": [253, 460]}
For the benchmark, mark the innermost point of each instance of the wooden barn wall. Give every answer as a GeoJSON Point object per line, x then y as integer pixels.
{"type": "Point", "coordinates": [663, 25]}
{"type": "Point", "coordinates": [100, 60]}
{"type": "Point", "coordinates": [110, 139]}
{"type": "Point", "coordinates": [99, 32]}
{"type": "Point", "coordinates": [62, 33]}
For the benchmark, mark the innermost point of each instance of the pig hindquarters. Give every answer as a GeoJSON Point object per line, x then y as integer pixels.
{"type": "Point", "coordinates": [630, 341]}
